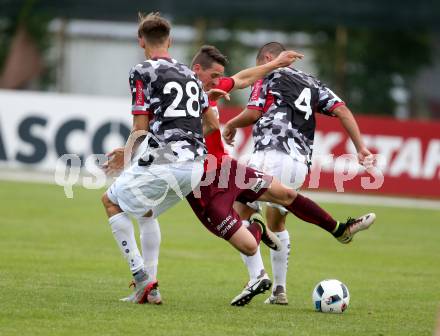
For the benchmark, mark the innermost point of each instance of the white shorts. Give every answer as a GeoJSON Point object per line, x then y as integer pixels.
{"type": "Point", "coordinates": [156, 187]}
{"type": "Point", "coordinates": [285, 168]}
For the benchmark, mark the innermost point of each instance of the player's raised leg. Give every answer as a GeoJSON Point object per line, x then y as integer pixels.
{"type": "Point", "coordinates": [307, 210]}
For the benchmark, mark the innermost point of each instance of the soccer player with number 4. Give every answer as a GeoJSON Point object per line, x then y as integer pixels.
{"type": "Point", "coordinates": [282, 108]}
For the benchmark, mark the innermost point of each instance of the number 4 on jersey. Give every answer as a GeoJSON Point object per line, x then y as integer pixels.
{"type": "Point", "coordinates": [302, 103]}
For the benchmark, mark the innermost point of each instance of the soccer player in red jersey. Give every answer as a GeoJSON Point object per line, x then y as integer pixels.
{"type": "Point", "coordinates": [209, 64]}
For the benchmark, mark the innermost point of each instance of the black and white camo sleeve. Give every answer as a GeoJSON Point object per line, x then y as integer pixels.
{"type": "Point", "coordinates": [257, 99]}
{"type": "Point", "coordinates": [140, 93]}
{"type": "Point", "coordinates": [328, 100]}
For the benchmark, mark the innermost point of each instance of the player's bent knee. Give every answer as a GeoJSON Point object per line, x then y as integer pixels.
{"type": "Point", "coordinates": [243, 241]}
{"type": "Point", "coordinates": [253, 250]}
{"type": "Point", "coordinates": [282, 195]}
{"type": "Point", "coordinates": [249, 250]}
{"type": "Point", "coordinates": [107, 203]}
{"type": "Point", "coordinates": [289, 197]}
{"type": "Point", "coordinates": [110, 208]}
{"type": "Point", "coordinates": [249, 247]}
{"type": "Point", "coordinates": [105, 200]}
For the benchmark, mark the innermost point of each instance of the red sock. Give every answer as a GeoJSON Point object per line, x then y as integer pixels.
{"type": "Point", "coordinates": [255, 229]}
{"type": "Point", "coordinates": [307, 210]}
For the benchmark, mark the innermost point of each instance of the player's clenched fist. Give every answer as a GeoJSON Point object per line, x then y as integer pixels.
{"type": "Point", "coordinates": [285, 58]}
{"type": "Point", "coordinates": [115, 163]}
{"type": "Point", "coordinates": [229, 134]}
{"type": "Point", "coordinates": [216, 94]}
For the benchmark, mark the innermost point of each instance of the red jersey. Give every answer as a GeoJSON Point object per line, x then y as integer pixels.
{"type": "Point", "coordinates": [213, 141]}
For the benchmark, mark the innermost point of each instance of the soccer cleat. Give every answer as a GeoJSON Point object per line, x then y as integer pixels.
{"type": "Point", "coordinates": [129, 298]}
{"type": "Point", "coordinates": [279, 299]}
{"type": "Point", "coordinates": [267, 237]}
{"type": "Point", "coordinates": [143, 292]}
{"type": "Point", "coordinates": [353, 226]}
{"type": "Point", "coordinates": [252, 288]}
{"type": "Point", "coordinates": [154, 297]}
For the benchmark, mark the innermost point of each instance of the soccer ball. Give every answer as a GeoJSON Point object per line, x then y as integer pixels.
{"type": "Point", "coordinates": [330, 296]}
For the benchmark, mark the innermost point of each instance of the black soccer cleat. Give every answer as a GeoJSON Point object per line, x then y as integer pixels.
{"type": "Point", "coordinates": [251, 289]}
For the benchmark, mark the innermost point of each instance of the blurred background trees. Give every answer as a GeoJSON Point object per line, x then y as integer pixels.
{"type": "Point", "coordinates": [372, 68]}
{"type": "Point", "coordinates": [382, 58]}
{"type": "Point", "coordinates": [24, 41]}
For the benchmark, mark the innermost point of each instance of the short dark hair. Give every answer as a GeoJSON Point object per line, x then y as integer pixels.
{"type": "Point", "coordinates": [207, 55]}
{"type": "Point", "coordinates": [274, 48]}
{"type": "Point", "coordinates": [153, 28]}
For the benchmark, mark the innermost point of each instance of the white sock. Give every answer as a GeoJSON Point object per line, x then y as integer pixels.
{"type": "Point", "coordinates": [253, 263]}
{"type": "Point", "coordinates": [150, 242]}
{"type": "Point", "coordinates": [122, 230]}
{"type": "Point", "coordinates": [280, 260]}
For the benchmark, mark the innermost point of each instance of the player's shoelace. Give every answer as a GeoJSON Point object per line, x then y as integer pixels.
{"type": "Point", "coordinates": [351, 222]}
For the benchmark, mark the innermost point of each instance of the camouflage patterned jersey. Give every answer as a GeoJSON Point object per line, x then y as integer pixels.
{"type": "Point", "coordinates": [289, 100]}
{"type": "Point", "coordinates": [172, 96]}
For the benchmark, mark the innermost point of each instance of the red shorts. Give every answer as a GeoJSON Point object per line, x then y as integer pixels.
{"type": "Point", "coordinates": [230, 182]}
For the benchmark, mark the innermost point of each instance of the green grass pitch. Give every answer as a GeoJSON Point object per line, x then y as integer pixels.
{"type": "Point", "coordinates": [61, 273]}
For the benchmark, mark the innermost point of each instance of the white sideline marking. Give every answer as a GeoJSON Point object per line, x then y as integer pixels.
{"type": "Point", "coordinates": [319, 196]}
{"type": "Point", "coordinates": [387, 201]}
{"type": "Point", "coordinates": [27, 176]}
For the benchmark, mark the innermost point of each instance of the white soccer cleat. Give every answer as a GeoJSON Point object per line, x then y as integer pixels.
{"type": "Point", "coordinates": [144, 292]}
{"type": "Point", "coordinates": [353, 226]}
{"type": "Point", "coordinates": [252, 288]}
{"type": "Point", "coordinates": [279, 299]}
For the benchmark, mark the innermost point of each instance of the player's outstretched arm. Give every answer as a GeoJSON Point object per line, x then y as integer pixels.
{"type": "Point", "coordinates": [351, 127]}
{"type": "Point", "coordinates": [248, 76]}
{"type": "Point", "coordinates": [245, 118]}
{"type": "Point", "coordinates": [209, 122]}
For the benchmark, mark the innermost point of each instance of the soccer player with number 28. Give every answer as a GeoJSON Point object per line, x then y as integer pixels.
{"type": "Point", "coordinates": [208, 64]}
{"type": "Point", "coordinates": [170, 110]}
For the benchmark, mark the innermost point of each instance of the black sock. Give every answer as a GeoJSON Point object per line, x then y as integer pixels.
{"type": "Point", "coordinates": [339, 230]}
